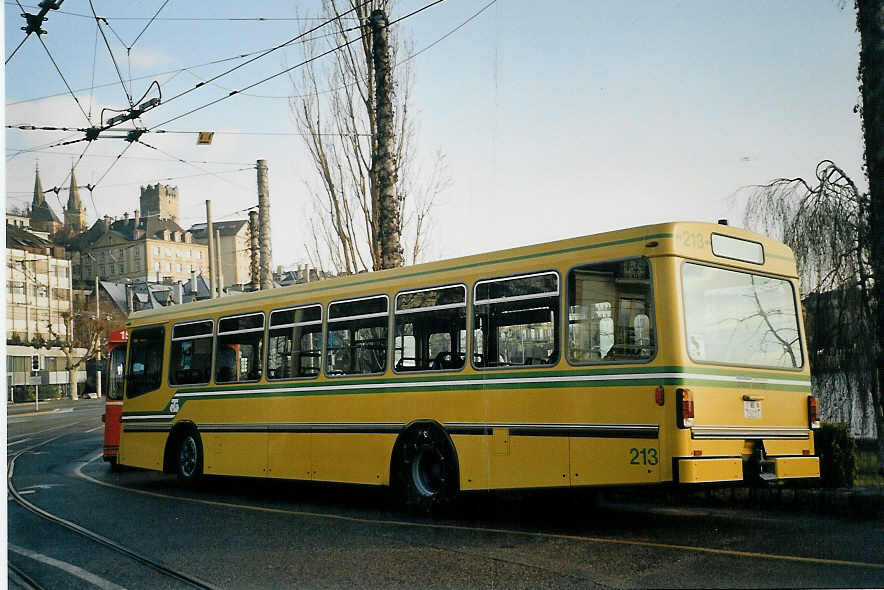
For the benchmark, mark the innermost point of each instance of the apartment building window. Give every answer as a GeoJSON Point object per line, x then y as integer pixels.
{"type": "Point", "coordinates": [167, 252]}
{"type": "Point", "coordinates": [156, 251]}
{"type": "Point", "coordinates": [168, 267]}
{"type": "Point", "coordinates": [122, 269]}
{"type": "Point", "coordinates": [137, 253]}
{"type": "Point", "coordinates": [156, 266]}
{"type": "Point", "coordinates": [199, 255]}
{"type": "Point", "coordinates": [179, 267]}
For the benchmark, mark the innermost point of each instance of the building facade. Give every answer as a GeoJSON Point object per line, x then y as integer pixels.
{"type": "Point", "coordinates": [38, 288]}
{"type": "Point", "coordinates": [234, 247]}
{"type": "Point", "coordinates": [139, 249]}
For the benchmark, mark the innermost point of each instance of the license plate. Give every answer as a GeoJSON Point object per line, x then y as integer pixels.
{"type": "Point", "coordinates": [752, 409]}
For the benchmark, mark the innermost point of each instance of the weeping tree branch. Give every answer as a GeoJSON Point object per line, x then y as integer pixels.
{"type": "Point", "coordinates": [827, 224]}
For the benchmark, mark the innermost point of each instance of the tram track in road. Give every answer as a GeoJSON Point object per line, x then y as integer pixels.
{"type": "Point", "coordinates": [93, 536]}
{"type": "Point", "coordinates": [490, 530]}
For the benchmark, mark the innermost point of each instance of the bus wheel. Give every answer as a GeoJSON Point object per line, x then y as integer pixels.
{"type": "Point", "coordinates": [190, 459]}
{"type": "Point", "coordinates": [427, 471]}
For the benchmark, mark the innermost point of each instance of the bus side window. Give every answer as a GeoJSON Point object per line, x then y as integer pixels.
{"type": "Point", "coordinates": [428, 325]}
{"type": "Point", "coordinates": [609, 312]}
{"type": "Point", "coordinates": [191, 353]}
{"type": "Point", "coordinates": [516, 321]}
{"type": "Point", "coordinates": [295, 342]}
{"type": "Point", "coordinates": [240, 344]}
{"type": "Point", "coordinates": [356, 343]}
{"type": "Point", "coordinates": [145, 360]}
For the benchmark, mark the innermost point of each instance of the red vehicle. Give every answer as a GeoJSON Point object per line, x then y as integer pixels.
{"type": "Point", "coordinates": [113, 386]}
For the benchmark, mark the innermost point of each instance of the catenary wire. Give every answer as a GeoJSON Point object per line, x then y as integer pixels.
{"type": "Point", "coordinates": [153, 18]}
{"type": "Point", "coordinates": [157, 74]}
{"type": "Point", "coordinates": [17, 47]}
{"type": "Point", "coordinates": [286, 70]}
{"type": "Point", "coordinates": [263, 54]}
{"type": "Point", "coordinates": [132, 158]}
{"type": "Point", "coordinates": [110, 51]}
{"type": "Point", "coordinates": [57, 69]}
{"type": "Point", "coordinates": [195, 18]}
{"type": "Point", "coordinates": [183, 161]}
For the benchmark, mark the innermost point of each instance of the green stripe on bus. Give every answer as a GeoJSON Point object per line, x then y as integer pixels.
{"type": "Point", "coordinates": [344, 381]}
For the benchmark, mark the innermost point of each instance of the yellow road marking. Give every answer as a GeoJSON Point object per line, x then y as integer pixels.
{"type": "Point", "coordinates": [454, 527]}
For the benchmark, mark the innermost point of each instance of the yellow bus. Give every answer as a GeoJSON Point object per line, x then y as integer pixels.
{"type": "Point", "coordinates": [670, 353]}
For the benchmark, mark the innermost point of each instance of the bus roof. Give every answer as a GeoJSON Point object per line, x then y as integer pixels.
{"type": "Point", "coordinates": [691, 240]}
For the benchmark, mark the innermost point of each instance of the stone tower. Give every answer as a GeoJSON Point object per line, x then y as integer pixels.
{"type": "Point", "coordinates": [75, 213]}
{"type": "Point", "coordinates": [160, 200]}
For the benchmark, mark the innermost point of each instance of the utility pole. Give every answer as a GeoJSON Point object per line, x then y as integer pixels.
{"type": "Point", "coordinates": [254, 268]}
{"type": "Point", "coordinates": [385, 163]}
{"type": "Point", "coordinates": [98, 354]}
{"type": "Point", "coordinates": [266, 256]}
{"type": "Point", "coordinates": [210, 233]}
{"type": "Point", "coordinates": [218, 262]}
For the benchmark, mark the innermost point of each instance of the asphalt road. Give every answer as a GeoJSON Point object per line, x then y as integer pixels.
{"type": "Point", "coordinates": [245, 533]}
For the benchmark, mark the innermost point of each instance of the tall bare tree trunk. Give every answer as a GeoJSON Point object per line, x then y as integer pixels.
{"type": "Point", "coordinates": [870, 24]}
{"type": "Point", "coordinates": [384, 163]}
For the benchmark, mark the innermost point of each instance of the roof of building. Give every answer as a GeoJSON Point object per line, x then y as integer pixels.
{"type": "Point", "coordinates": [125, 229]}
{"type": "Point", "coordinates": [227, 228]}
{"type": "Point", "coordinates": [154, 295]}
{"type": "Point", "coordinates": [19, 239]}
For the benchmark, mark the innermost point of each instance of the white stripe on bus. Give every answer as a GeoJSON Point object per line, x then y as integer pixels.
{"type": "Point", "coordinates": [480, 382]}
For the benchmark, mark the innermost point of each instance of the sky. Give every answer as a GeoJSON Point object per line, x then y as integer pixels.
{"type": "Point", "coordinates": [556, 119]}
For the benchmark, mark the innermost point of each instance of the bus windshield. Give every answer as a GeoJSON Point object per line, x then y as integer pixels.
{"type": "Point", "coordinates": [740, 318]}
{"type": "Point", "coordinates": [116, 363]}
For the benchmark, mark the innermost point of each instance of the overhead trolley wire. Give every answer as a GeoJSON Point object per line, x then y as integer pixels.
{"type": "Point", "coordinates": [196, 18]}
{"type": "Point", "coordinates": [57, 69]}
{"type": "Point", "coordinates": [265, 53]}
{"type": "Point", "coordinates": [153, 18]}
{"type": "Point", "coordinates": [156, 74]}
{"type": "Point", "coordinates": [183, 161]}
{"type": "Point", "coordinates": [286, 70]}
{"type": "Point", "coordinates": [214, 162]}
{"type": "Point", "coordinates": [110, 51]}
{"type": "Point", "coordinates": [16, 49]}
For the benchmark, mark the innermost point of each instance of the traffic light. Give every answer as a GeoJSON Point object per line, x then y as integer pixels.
{"type": "Point", "coordinates": [35, 362]}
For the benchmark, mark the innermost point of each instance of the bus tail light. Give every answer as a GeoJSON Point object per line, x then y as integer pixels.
{"type": "Point", "coordinates": [685, 408]}
{"type": "Point", "coordinates": [813, 411]}
{"type": "Point", "coordinates": [658, 395]}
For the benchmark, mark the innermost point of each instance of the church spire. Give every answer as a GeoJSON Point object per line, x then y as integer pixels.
{"type": "Point", "coordinates": [38, 190]}
{"type": "Point", "coordinates": [74, 203]}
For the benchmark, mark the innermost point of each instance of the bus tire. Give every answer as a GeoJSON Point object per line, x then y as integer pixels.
{"type": "Point", "coordinates": [426, 472]}
{"type": "Point", "coordinates": [189, 458]}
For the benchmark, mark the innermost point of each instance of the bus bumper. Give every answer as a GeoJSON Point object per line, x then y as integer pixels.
{"type": "Point", "coordinates": [790, 468]}
{"type": "Point", "coordinates": [710, 470]}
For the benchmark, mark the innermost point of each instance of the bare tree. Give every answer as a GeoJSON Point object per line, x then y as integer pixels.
{"type": "Point", "coordinates": [827, 223]}
{"type": "Point", "coordinates": [335, 111]}
{"type": "Point", "coordinates": [88, 337]}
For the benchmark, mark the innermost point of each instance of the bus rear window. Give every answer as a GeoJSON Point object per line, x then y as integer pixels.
{"type": "Point", "coordinates": [740, 318]}
{"type": "Point", "coordinates": [145, 360]}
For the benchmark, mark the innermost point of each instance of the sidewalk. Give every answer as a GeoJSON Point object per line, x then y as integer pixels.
{"type": "Point", "coordinates": [857, 503]}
